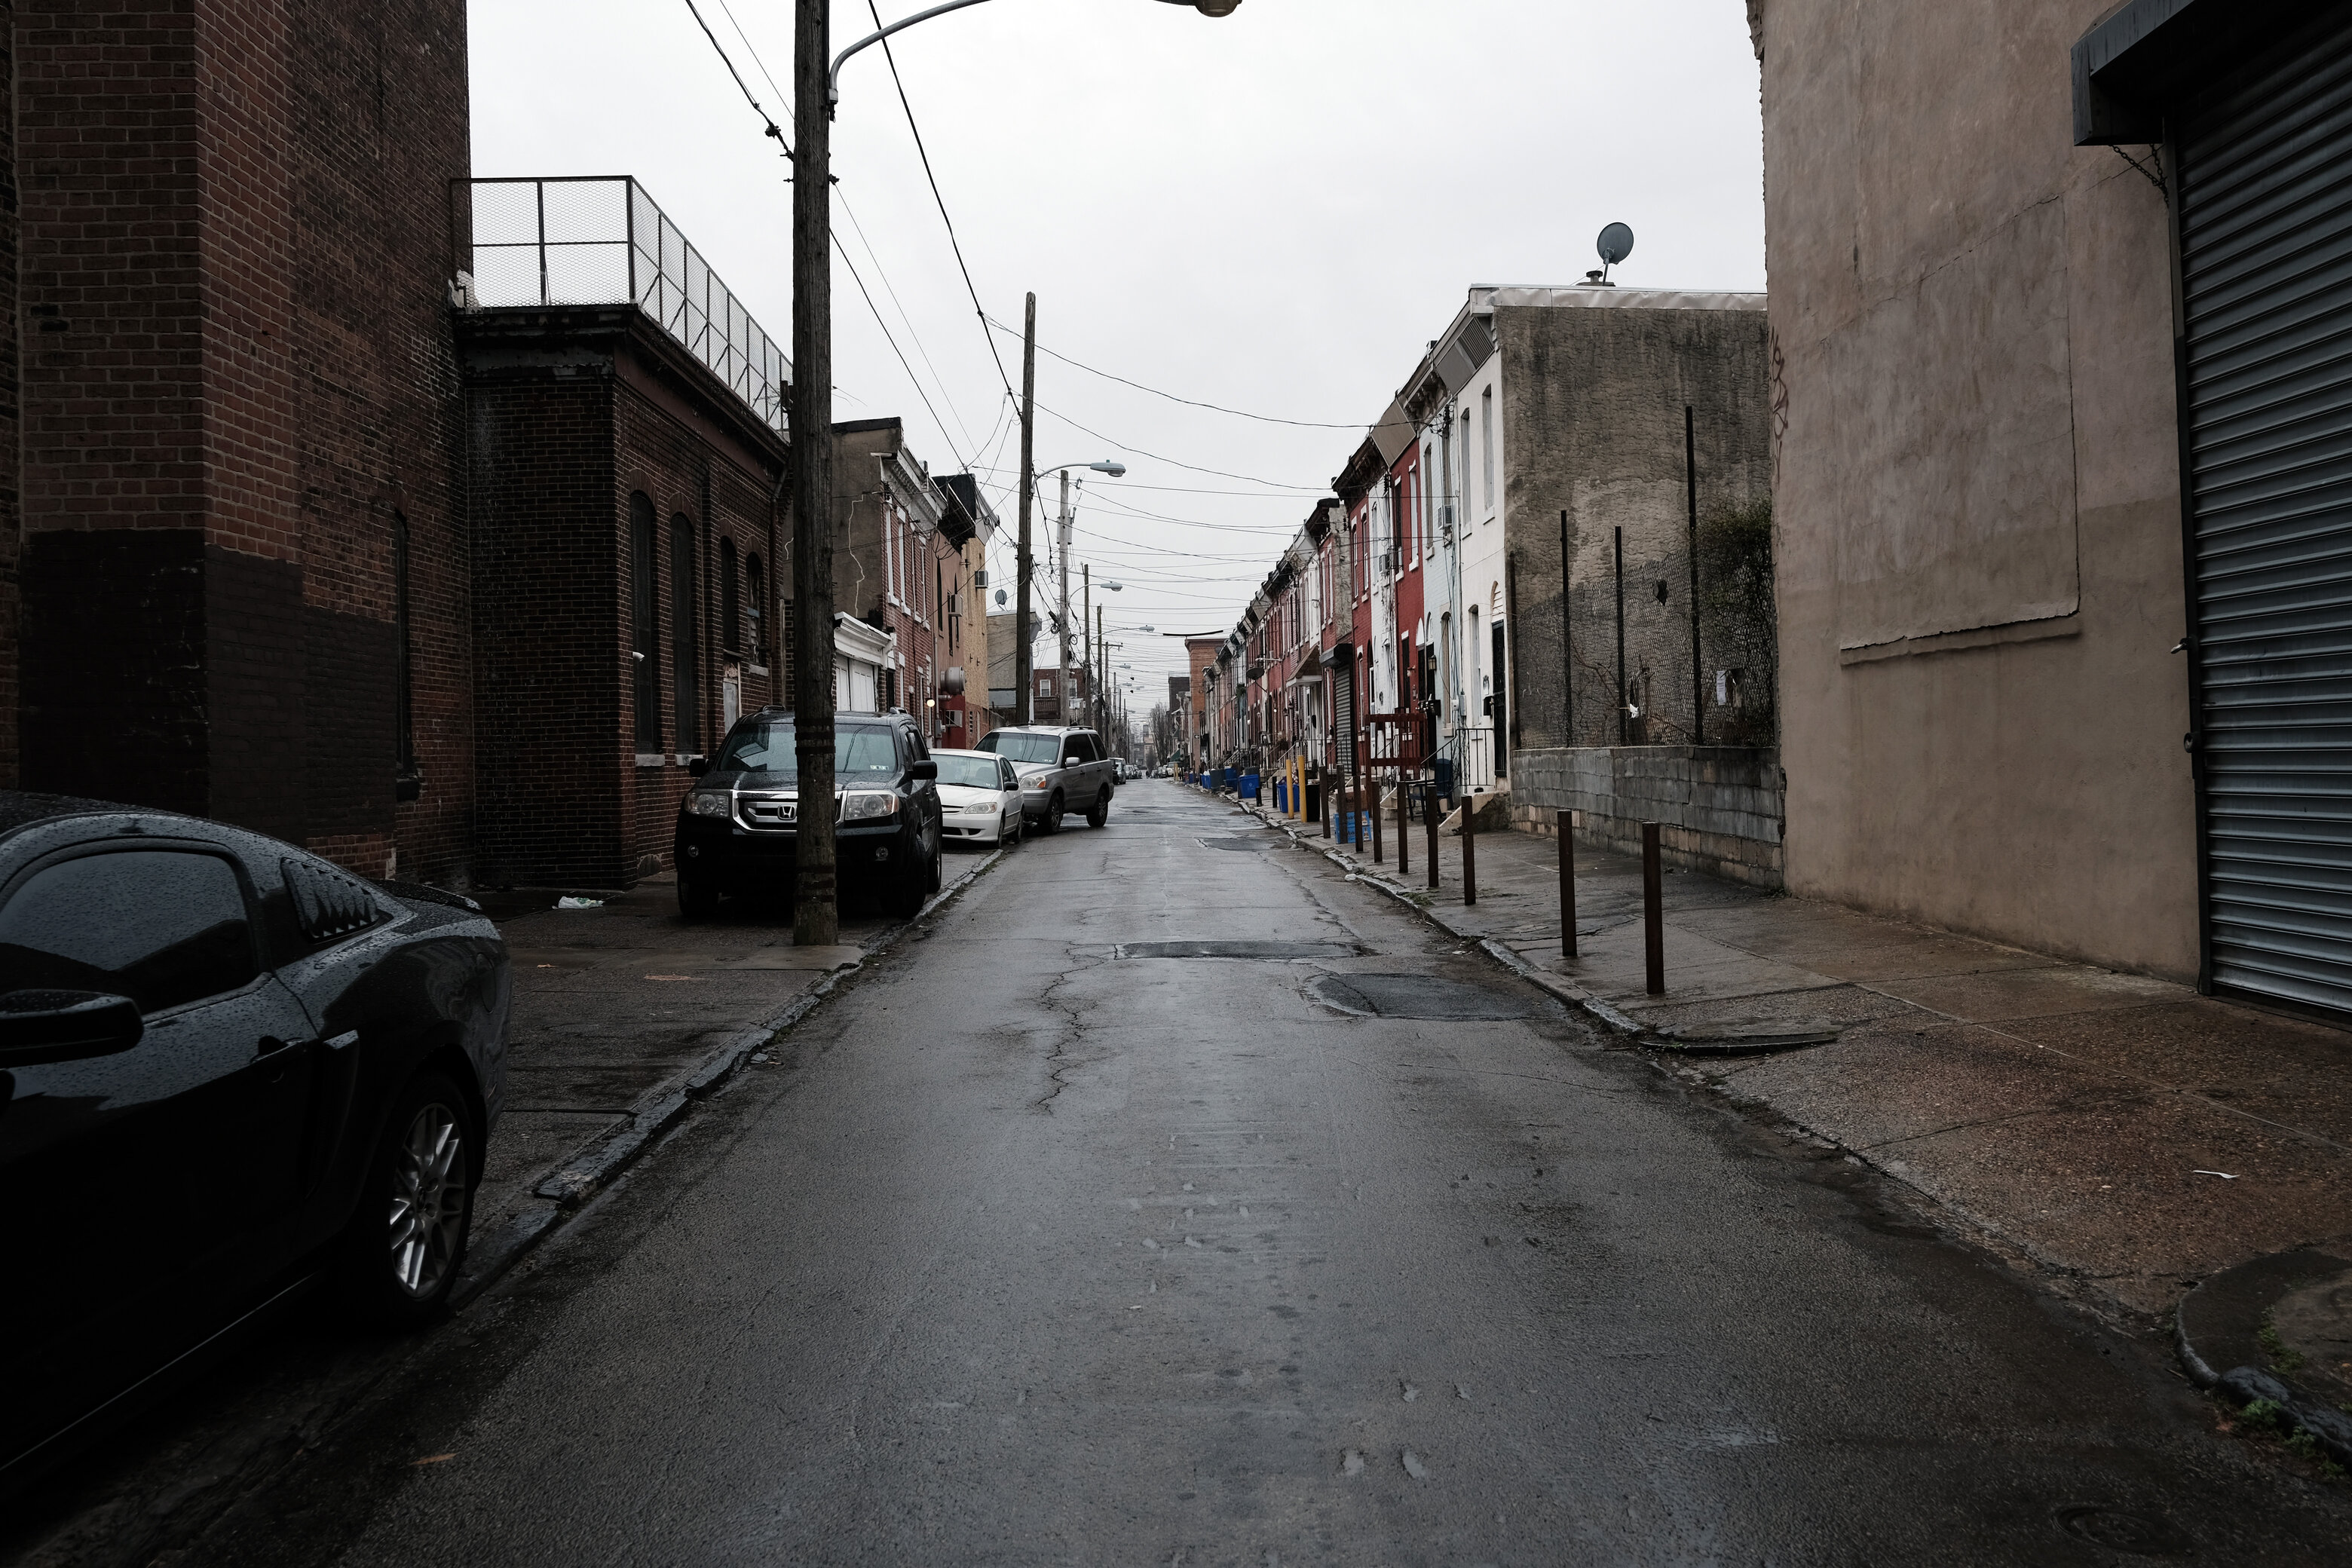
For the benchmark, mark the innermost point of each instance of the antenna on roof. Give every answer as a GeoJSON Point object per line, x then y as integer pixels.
{"type": "Point", "coordinates": [1616, 245]}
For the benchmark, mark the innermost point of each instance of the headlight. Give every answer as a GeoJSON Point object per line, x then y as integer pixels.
{"type": "Point", "coordinates": [865, 805]}
{"type": "Point", "coordinates": [985, 807]}
{"type": "Point", "coordinates": [707, 802]}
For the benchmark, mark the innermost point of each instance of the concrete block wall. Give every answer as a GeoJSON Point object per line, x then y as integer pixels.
{"type": "Point", "coordinates": [1721, 807]}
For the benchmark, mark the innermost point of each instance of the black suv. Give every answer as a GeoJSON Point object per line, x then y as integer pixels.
{"type": "Point", "coordinates": [738, 826]}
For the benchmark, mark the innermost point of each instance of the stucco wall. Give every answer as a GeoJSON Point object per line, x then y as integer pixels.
{"type": "Point", "coordinates": [1593, 402]}
{"type": "Point", "coordinates": [1976, 488]}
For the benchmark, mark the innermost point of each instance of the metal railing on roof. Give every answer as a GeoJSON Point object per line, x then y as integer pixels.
{"type": "Point", "coordinates": [600, 240]}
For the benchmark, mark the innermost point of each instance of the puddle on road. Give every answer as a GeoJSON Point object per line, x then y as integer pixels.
{"type": "Point", "coordinates": [1278, 951]}
{"type": "Point", "coordinates": [1414, 996]}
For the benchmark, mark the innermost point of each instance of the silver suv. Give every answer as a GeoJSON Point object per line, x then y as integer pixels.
{"type": "Point", "coordinates": [1061, 771]}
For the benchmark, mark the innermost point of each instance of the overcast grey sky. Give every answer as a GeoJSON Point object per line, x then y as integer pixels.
{"type": "Point", "coordinates": [1273, 212]}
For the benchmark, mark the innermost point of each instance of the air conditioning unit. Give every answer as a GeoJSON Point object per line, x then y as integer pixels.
{"type": "Point", "coordinates": [980, 578]}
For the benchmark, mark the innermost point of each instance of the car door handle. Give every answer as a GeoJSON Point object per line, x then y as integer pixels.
{"type": "Point", "coordinates": [272, 1047]}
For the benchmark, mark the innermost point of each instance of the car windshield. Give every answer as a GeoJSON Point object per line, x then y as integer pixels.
{"type": "Point", "coordinates": [976, 773]}
{"type": "Point", "coordinates": [1021, 747]}
{"type": "Point", "coordinates": [766, 748]}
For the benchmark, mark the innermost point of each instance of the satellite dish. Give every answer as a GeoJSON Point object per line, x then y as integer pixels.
{"type": "Point", "coordinates": [1000, 596]}
{"type": "Point", "coordinates": [1616, 243]}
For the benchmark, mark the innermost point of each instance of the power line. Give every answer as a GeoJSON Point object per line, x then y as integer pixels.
{"type": "Point", "coordinates": [895, 349]}
{"type": "Point", "coordinates": [1221, 473]}
{"type": "Point", "coordinates": [953, 242]}
{"type": "Point", "coordinates": [1190, 402]}
{"type": "Point", "coordinates": [892, 289]}
{"type": "Point", "coordinates": [773, 129]}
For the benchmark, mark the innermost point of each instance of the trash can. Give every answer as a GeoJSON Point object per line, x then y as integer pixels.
{"type": "Point", "coordinates": [1442, 767]}
{"type": "Point", "coordinates": [1249, 786]}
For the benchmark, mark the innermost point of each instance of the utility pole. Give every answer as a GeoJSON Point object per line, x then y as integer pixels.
{"type": "Point", "coordinates": [1102, 663]}
{"type": "Point", "coordinates": [1064, 545]}
{"type": "Point", "coordinates": [817, 917]}
{"type": "Point", "coordinates": [1086, 630]}
{"type": "Point", "coordinates": [1024, 656]}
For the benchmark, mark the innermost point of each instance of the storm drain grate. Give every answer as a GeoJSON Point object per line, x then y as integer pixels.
{"type": "Point", "coordinates": [1412, 996]}
{"type": "Point", "coordinates": [1273, 950]}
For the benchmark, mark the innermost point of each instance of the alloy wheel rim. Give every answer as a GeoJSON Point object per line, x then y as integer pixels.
{"type": "Point", "coordinates": [428, 1200]}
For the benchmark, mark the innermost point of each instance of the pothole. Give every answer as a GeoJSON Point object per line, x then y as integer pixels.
{"type": "Point", "coordinates": [1236, 843]}
{"type": "Point", "coordinates": [2119, 1529]}
{"type": "Point", "coordinates": [1267, 949]}
{"type": "Point", "coordinates": [1414, 996]}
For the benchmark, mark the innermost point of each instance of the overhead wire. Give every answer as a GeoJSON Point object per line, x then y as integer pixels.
{"type": "Point", "coordinates": [941, 201]}
{"type": "Point", "coordinates": [1190, 402]}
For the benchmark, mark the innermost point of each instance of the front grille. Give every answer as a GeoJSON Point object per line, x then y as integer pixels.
{"type": "Point", "coordinates": [767, 811]}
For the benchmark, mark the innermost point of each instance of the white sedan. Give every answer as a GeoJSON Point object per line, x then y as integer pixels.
{"type": "Point", "coordinates": [980, 797]}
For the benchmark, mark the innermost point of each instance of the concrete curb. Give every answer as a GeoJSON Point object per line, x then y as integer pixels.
{"type": "Point", "coordinates": [2218, 1334]}
{"type": "Point", "coordinates": [1574, 996]}
{"type": "Point", "coordinates": [592, 1166]}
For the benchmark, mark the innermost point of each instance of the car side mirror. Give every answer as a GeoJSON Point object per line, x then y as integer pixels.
{"type": "Point", "coordinates": [700, 766]}
{"type": "Point", "coordinates": [1073, 760]}
{"type": "Point", "coordinates": [926, 769]}
{"type": "Point", "coordinates": [38, 1026]}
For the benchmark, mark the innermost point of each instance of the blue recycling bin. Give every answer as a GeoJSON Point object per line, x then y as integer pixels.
{"type": "Point", "coordinates": [1232, 779]}
{"type": "Point", "coordinates": [1281, 788]}
{"type": "Point", "coordinates": [1249, 786]}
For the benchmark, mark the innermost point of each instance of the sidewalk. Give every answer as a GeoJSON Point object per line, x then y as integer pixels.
{"type": "Point", "coordinates": [623, 1013]}
{"type": "Point", "coordinates": [2071, 1115]}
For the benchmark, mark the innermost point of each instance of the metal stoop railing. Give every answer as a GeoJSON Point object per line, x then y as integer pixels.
{"type": "Point", "coordinates": [600, 240]}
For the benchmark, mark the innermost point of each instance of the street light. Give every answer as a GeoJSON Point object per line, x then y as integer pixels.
{"type": "Point", "coordinates": [817, 91]}
{"type": "Point", "coordinates": [833, 83]}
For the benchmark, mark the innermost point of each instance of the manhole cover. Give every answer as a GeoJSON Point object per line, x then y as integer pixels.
{"type": "Point", "coordinates": [2135, 1534]}
{"type": "Point", "coordinates": [1275, 950]}
{"type": "Point", "coordinates": [1412, 996]}
{"type": "Point", "coordinates": [1237, 842]}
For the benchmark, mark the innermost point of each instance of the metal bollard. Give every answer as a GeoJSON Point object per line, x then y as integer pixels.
{"type": "Point", "coordinates": [1654, 918]}
{"type": "Point", "coordinates": [1429, 814]}
{"type": "Point", "coordinates": [1469, 846]}
{"type": "Point", "coordinates": [1404, 830]}
{"type": "Point", "coordinates": [1567, 886]}
{"type": "Point", "coordinates": [1376, 857]}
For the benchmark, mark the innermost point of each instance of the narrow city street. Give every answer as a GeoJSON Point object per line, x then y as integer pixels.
{"type": "Point", "coordinates": [1174, 1199]}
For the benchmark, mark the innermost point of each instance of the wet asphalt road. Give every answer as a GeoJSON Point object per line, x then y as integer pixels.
{"type": "Point", "coordinates": [1028, 1251]}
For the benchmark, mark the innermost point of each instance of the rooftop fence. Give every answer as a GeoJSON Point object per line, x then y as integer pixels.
{"type": "Point", "coordinates": [600, 240]}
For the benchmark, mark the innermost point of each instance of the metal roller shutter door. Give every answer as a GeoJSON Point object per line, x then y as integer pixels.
{"type": "Point", "coordinates": [2264, 188]}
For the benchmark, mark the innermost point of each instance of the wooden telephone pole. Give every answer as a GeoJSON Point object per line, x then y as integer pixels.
{"type": "Point", "coordinates": [816, 916]}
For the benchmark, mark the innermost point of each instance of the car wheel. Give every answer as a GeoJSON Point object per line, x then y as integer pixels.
{"type": "Point", "coordinates": [1054, 814]}
{"type": "Point", "coordinates": [1101, 812]}
{"type": "Point", "coordinates": [401, 1253]}
{"type": "Point", "coordinates": [697, 898]}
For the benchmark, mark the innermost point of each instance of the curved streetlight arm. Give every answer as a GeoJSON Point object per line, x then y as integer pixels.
{"type": "Point", "coordinates": [833, 81]}
{"type": "Point", "coordinates": [832, 78]}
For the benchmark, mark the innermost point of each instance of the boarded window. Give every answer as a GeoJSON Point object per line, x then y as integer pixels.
{"type": "Point", "coordinates": [686, 673]}
{"type": "Point", "coordinates": [644, 644]}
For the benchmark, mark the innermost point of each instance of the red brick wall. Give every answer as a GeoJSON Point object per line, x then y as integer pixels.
{"type": "Point", "coordinates": [233, 263]}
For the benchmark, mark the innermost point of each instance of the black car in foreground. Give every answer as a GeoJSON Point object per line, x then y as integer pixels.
{"type": "Point", "coordinates": [738, 827]}
{"type": "Point", "coordinates": [229, 1071]}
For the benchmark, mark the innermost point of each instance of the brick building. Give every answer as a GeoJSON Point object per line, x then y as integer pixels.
{"type": "Point", "coordinates": [431, 524]}
{"type": "Point", "coordinates": [909, 560]}
{"type": "Point", "coordinates": [233, 573]}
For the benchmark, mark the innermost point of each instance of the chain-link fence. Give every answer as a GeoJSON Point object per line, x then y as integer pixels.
{"type": "Point", "coordinates": [602, 241]}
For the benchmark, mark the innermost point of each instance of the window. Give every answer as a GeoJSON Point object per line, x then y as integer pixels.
{"type": "Point", "coordinates": [162, 927]}
{"type": "Point", "coordinates": [1487, 436]}
{"type": "Point", "coordinates": [686, 673]}
{"type": "Point", "coordinates": [755, 608]}
{"type": "Point", "coordinates": [644, 639]}
{"type": "Point", "coordinates": [328, 903]}
{"type": "Point", "coordinates": [1025, 746]}
{"type": "Point", "coordinates": [730, 600]}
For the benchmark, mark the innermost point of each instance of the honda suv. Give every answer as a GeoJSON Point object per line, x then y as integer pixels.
{"type": "Point", "coordinates": [739, 831]}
